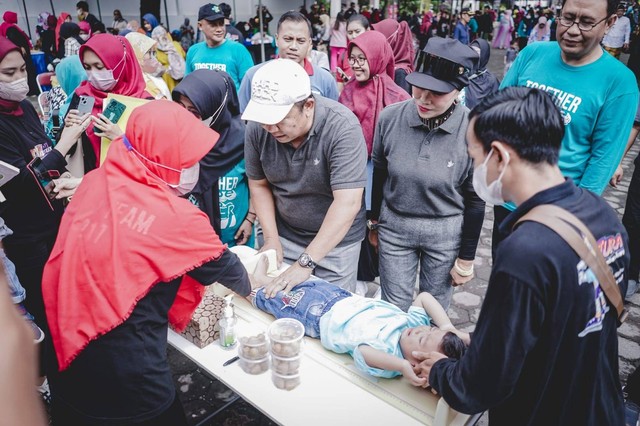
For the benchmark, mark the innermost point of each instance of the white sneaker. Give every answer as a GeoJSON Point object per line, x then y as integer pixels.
{"type": "Point", "coordinates": [632, 288]}
{"type": "Point", "coordinates": [44, 392]}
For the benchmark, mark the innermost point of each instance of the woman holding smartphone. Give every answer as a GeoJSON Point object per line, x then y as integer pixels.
{"type": "Point", "coordinates": [33, 218]}
{"type": "Point", "coordinates": [111, 67]}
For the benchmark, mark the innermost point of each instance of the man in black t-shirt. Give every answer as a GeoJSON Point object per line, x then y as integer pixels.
{"type": "Point", "coordinates": [545, 349]}
{"type": "Point", "coordinates": [232, 32]}
{"type": "Point", "coordinates": [84, 15]}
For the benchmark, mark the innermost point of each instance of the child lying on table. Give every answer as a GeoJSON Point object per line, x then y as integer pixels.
{"type": "Point", "coordinates": [378, 335]}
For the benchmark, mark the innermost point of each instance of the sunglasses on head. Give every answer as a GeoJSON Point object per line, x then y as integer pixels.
{"type": "Point", "coordinates": [440, 68]}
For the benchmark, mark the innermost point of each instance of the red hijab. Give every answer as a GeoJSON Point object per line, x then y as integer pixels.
{"type": "Point", "coordinates": [9, 107]}
{"type": "Point", "coordinates": [11, 20]}
{"type": "Point", "coordinates": [117, 55]}
{"type": "Point", "coordinates": [398, 35]}
{"type": "Point", "coordinates": [367, 99]}
{"type": "Point", "coordinates": [125, 231]}
{"type": "Point", "coordinates": [61, 20]}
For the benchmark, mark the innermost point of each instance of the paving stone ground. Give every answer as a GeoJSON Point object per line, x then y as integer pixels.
{"type": "Point", "coordinates": [204, 396]}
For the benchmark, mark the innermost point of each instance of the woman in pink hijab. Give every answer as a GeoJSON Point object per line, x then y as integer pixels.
{"type": "Point", "coordinates": [399, 36]}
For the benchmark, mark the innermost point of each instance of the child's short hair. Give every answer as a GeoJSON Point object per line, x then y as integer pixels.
{"type": "Point", "coordinates": [452, 346]}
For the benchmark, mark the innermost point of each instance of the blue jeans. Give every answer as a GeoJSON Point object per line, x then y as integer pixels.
{"type": "Point", "coordinates": [307, 302]}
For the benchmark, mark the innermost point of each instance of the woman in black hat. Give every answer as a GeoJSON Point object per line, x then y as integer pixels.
{"type": "Point", "coordinates": [425, 210]}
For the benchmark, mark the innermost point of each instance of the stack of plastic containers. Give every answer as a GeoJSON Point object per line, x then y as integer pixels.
{"type": "Point", "coordinates": [286, 336]}
{"type": "Point", "coordinates": [254, 354]}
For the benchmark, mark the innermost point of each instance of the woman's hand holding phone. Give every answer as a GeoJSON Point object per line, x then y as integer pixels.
{"type": "Point", "coordinates": [107, 129]}
{"type": "Point", "coordinates": [74, 126]}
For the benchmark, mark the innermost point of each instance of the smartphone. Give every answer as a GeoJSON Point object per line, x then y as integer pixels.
{"type": "Point", "coordinates": [85, 104]}
{"type": "Point", "coordinates": [113, 112]}
{"type": "Point", "coordinates": [343, 75]}
{"type": "Point", "coordinates": [44, 178]}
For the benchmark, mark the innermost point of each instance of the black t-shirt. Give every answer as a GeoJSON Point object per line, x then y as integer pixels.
{"type": "Point", "coordinates": [545, 349]}
{"type": "Point", "coordinates": [234, 34]}
{"type": "Point", "coordinates": [124, 376]}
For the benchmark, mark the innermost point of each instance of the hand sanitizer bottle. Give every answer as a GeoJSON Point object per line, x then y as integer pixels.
{"type": "Point", "coordinates": [228, 322]}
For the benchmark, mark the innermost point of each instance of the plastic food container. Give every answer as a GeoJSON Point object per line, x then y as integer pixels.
{"type": "Point", "coordinates": [254, 347]}
{"type": "Point", "coordinates": [286, 336]}
{"type": "Point", "coordinates": [285, 366]}
{"type": "Point", "coordinates": [285, 382]}
{"type": "Point", "coordinates": [253, 366]}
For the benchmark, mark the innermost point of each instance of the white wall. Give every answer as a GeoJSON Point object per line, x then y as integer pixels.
{"type": "Point", "coordinates": [177, 10]}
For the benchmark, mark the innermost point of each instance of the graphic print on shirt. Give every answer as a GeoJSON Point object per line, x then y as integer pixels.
{"type": "Point", "coordinates": [209, 66]}
{"type": "Point", "coordinates": [41, 150]}
{"type": "Point", "coordinates": [227, 193]}
{"type": "Point", "coordinates": [567, 102]}
{"type": "Point", "coordinates": [292, 299]}
{"type": "Point", "coordinates": [612, 248]}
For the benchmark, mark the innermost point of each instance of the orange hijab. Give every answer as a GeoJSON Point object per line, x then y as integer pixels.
{"type": "Point", "coordinates": [125, 231]}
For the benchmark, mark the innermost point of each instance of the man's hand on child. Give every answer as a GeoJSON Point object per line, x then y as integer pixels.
{"type": "Point", "coordinates": [407, 371]}
{"type": "Point", "coordinates": [427, 360]}
{"type": "Point", "coordinates": [290, 278]}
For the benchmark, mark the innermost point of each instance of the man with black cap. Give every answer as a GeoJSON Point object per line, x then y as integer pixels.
{"type": "Point", "coordinates": [424, 209]}
{"type": "Point", "coordinates": [216, 52]}
{"type": "Point", "coordinates": [617, 38]}
{"type": "Point", "coordinates": [461, 31]}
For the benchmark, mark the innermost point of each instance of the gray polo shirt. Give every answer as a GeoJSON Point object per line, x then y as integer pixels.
{"type": "Point", "coordinates": [332, 157]}
{"type": "Point", "coordinates": [429, 171]}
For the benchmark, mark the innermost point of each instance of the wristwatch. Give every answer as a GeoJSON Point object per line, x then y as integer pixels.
{"type": "Point", "coordinates": [306, 261]}
{"type": "Point", "coordinates": [373, 226]}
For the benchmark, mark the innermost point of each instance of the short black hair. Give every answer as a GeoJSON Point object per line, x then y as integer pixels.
{"type": "Point", "coordinates": [526, 119]}
{"type": "Point", "coordinates": [452, 346]}
{"type": "Point", "coordinates": [361, 19]}
{"type": "Point", "coordinates": [225, 9]}
{"type": "Point", "coordinates": [611, 6]}
{"type": "Point", "coordinates": [83, 5]}
{"type": "Point", "coordinates": [294, 16]}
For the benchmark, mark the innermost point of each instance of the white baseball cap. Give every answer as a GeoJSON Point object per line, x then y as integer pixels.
{"type": "Point", "coordinates": [275, 88]}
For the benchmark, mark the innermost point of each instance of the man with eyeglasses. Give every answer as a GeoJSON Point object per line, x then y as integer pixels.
{"type": "Point", "coordinates": [294, 40]}
{"type": "Point", "coordinates": [461, 32]}
{"type": "Point", "coordinates": [596, 94]}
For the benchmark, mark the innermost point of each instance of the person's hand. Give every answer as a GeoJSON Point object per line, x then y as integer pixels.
{"type": "Point", "coordinates": [107, 129]}
{"type": "Point", "coordinates": [617, 177]}
{"type": "Point", "coordinates": [273, 243]}
{"type": "Point", "coordinates": [373, 239]}
{"type": "Point", "coordinates": [625, 47]}
{"type": "Point", "coordinates": [456, 278]}
{"type": "Point", "coordinates": [290, 278]}
{"type": "Point", "coordinates": [407, 371]}
{"type": "Point", "coordinates": [259, 278]}
{"type": "Point", "coordinates": [72, 131]}
{"type": "Point", "coordinates": [244, 232]}
{"type": "Point", "coordinates": [427, 359]}
{"type": "Point", "coordinates": [73, 117]}
{"type": "Point", "coordinates": [66, 185]}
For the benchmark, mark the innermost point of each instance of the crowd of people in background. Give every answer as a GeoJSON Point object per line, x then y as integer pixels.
{"type": "Point", "coordinates": [358, 144]}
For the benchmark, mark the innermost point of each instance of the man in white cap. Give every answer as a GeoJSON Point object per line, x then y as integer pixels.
{"type": "Point", "coordinates": [305, 158]}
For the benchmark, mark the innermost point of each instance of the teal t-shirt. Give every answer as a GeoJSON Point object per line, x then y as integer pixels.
{"type": "Point", "coordinates": [230, 57]}
{"type": "Point", "coordinates": [597, 101]}
{"type": "Point", "coordinates": [233, 192]}
{"type": "Point", "coordinates": [356, 321]}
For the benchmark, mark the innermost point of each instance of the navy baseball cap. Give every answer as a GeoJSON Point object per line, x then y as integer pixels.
{"type": "Point", "coordinates": [210, 12]}
{"type": "Point", "coordinates": [444, 65]}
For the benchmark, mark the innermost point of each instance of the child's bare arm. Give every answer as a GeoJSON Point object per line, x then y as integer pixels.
{"type": "Point", "coordinates": [438, 315]}
{"type": "Point", "coordinates": [384, 361]}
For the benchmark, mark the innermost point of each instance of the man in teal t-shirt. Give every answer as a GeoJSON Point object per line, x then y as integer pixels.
{"type": "Point", "coordinates": [216, 52]}
{"type": "Point", "coordinates": [597, 95]}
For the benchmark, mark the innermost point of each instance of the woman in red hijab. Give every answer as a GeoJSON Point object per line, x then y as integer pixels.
{"type": "Point", "coordinates": [112, 67]}
{"type": "Point", "coordinates": [64, 17]}
{"type": "Point", "coordinates": [131, 257]}
{"type": "Point", "coordinates": [28, 211]}
{"type": "Point", "coordinates": [11, 21]}
{"type": "Point", "coordinates": [399, 36]}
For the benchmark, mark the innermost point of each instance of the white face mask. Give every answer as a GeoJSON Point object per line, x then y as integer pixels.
{"type": "Point", "coordinates": [491, 194]}
{"type": "Point", "coordinates": [188, 177]}
{"type": "Point", "coordinates": [15, 91]}
{"type": "Point", "coordinates": [85, 37]}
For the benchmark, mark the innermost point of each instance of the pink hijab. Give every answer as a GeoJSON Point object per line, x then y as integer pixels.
{"type": "Point", "coordinates": [398, 35]}
{"type": "Point", "coordinates": [367, 99]}
{"type": "Point", "coordinates": [11, 20]}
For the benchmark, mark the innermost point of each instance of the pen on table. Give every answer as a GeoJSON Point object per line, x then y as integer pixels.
{"type": "Point", "coordinates": [231, 361]}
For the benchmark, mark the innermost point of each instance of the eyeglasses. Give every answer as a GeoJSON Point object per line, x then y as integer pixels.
{"type": "Point", "coordinates": [582, 26]}
{"type": "Point", "coordinates": [440, 68]}
{"type": "Point", "coordinates": [360, 60]}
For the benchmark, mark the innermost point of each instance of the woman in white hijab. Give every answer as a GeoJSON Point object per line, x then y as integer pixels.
{"type": "Point", "coordinates": [145, 49]}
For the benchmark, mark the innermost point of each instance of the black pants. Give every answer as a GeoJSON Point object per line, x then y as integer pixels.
{"type": "Point", "coordinates": [499, 215]}
{"type": "Point", "coordinates": [631, 221]}
{"type": "Point", "coordinates": [63, 415]}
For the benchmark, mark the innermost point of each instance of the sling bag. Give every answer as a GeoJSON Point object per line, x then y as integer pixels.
{"type": "Point", "coordinates": [577, 235]}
